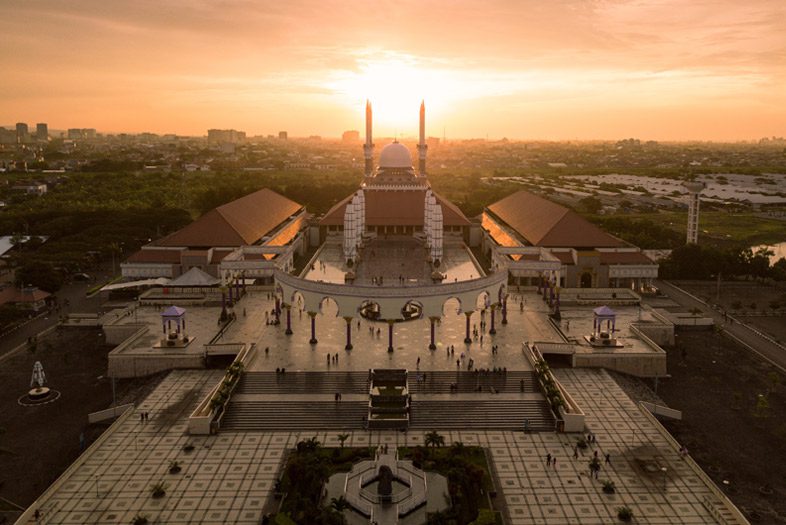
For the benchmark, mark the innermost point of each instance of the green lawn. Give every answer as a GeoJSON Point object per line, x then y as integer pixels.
{"type": "Point", "coordinates": [745, 228]}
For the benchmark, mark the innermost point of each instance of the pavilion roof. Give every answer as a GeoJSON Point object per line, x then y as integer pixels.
{"type": "Point", "coordinates": [545, 223]}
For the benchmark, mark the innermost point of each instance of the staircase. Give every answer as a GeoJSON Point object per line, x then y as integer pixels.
{"type": "Point", "coordinates": [431, 408]}
{"type": "Point", "coordinates": [303, 383]}
{"type": "Point", "coordinates": [497, 414]}
{"type": "Point", "coordinates": [468, 382]}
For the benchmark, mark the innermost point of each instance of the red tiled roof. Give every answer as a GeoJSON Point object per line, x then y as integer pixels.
{"type": "Point", "coordinates": [545, 223]}
{"type": "Point", "coordinates": [396, 208]}
{"type": "Point", "coordinates": [241, 222]}
{"type": "Point", "coordinates": [13, 294]}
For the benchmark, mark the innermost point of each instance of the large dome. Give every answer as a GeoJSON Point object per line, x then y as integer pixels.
{"type": "Point", "coordinates": [395, 155]}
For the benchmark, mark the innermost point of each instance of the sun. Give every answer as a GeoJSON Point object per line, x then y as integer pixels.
{"type": "Point", "coordinates": [395, 86]}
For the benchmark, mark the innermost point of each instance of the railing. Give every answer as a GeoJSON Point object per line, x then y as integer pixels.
{"type": "Point", "coordinates": [399, 292]}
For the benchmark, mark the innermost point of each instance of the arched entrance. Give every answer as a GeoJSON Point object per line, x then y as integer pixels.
{"type": "Point", "coordinates": [586, 280]}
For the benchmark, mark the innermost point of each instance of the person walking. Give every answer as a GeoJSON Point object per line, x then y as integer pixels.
{"type": "Point", "coordinates": [548, 459]}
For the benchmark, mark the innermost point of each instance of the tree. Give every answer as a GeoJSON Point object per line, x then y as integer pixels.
{"type": "Point", "coordinates": [339, 504]}
{"type": "Point", "coordinates": [434, 439]}
{"type": "Point", "coordinates": [342, 438]}
{"type": "Point", "coordinates": [591, 204]}
{"type": "Point", "coordinates": [39, 274]}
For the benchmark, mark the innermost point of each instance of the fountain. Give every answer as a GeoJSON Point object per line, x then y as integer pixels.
{"type": "Point", "coordinates": [38, 393]}
{"type": "Point", "coordinates": [389, 491]}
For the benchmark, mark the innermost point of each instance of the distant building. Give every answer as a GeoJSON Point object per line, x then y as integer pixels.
{"type": "Point", "coordinates": [282, 135]}
{"type": "Point", "coordinates": [42, 131]}
{"type": "Point", "coordinates": [7, 136]}
{"type": "Point", "coordinates": [74, 133]}
{"type": "Point", "coordinates": [31, 188]}
{"type": "Point", "coordinates": [88, 133]}
{"type": "Point", "coordinates": [27, 298]}
{"type": "Point", "coordinates": [225, 136]}
{"type": "Point", "coordinates": [350, 136]}
{"type": "Point", "coordinates": [21, 132]}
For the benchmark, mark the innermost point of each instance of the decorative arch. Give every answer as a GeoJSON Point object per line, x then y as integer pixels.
{"type": "Point", "coordinates": [325, 306]}
{"type": "Point", "coordinates": [483, 300]}
{"type": "Point", "coordinates": [452, 305]}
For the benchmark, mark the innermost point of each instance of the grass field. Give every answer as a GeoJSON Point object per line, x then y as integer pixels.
{"type": "Point", "coordinates": [738, 228]}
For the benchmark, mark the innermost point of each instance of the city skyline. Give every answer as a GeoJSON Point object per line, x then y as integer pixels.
{"type": "Point", "coordinates": [557, 71]}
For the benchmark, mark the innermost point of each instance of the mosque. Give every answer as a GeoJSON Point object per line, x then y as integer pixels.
{"type": "Point", "coordinates": [409, 273]}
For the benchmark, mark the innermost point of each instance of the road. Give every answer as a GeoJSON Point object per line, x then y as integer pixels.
{"type": "Point", "coordinates": [74, 292]}
{"type": "Point", "coordinates": [746, 335]}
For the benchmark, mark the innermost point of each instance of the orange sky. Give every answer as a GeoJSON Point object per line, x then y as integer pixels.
{"type": "Point", "coordinates": [664, 70]}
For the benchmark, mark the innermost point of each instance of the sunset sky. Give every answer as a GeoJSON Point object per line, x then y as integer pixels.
{"type": "Point", "coordinates": [663, 70]}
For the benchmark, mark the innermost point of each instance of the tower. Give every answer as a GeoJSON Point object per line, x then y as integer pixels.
{"type": "Point", "coordinates": [694, 189]}
{"type": "Point", "coordinates": [368, 147]}
{"type": "Point", "coordinates": [422, 147]}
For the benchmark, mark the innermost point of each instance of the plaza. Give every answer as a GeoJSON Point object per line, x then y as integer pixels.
{"type": "Point", "coordinates": [229, 476]}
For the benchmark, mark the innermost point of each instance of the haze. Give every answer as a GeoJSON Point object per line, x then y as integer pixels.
{"type": "Point", "coordinates": [666, 70]}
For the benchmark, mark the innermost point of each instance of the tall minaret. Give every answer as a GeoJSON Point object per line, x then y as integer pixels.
{"type": "Point", "coordinates": [368, 147]}
{"type": "Point", "coordinates": [422, 147]}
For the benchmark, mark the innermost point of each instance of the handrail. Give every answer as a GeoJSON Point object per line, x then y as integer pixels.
{"type": "Point", "coordinates": [399, 291]}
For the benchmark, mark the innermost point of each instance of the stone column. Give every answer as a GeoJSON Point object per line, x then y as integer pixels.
{"type": "Point", "coordinates": [432, 345]}
{"type": "Point", "coordinates": [493, 330]}
{"type": "Point", "coordinates": [313, 316]}
{"type": "Point", "coordinates": [505, 309]}
{"type": "Point", "coordinates": [468, 338]}
{"type": "Point", "coordinates": [348, 346]}
{"type": "Point", "coordinates": [390, 335]}
{"type": "Point", "coordinates": [288, 331]}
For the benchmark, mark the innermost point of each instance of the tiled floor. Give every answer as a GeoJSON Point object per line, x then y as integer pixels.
{"type": "Point", "coordinates": [227, 478]}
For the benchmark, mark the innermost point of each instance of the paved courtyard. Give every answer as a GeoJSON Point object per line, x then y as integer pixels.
{"type": "Point", "coordinates": [228, 477]}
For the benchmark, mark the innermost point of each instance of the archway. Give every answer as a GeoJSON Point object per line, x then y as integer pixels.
{"type": "Point", "coordinates": [586, 280]}
{"type": "Point", "coordinates": [328, 306]}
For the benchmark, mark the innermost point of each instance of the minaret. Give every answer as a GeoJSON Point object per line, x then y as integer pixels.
{"type": "Point", "coordinates": [422, 147]}
{"type": "Point", "coordinates": [368, 147]}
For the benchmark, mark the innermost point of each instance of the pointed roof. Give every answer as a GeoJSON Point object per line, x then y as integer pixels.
{"type": "Point", "coordinates": [547, 224]}
{"type": "Point", "coordinates": [243, 221]}
{"type": "Point", "coordinates": [194, 277]}
{"type": "Point", "coordinates": [396, 208]}
{"type": "Point", "coordinates": [173, 311]}
{"type": "Point", "coordinates": [604, 311]}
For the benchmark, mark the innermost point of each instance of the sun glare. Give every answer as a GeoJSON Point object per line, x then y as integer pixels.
{"type": "Point", "coordinates": [395, 87]}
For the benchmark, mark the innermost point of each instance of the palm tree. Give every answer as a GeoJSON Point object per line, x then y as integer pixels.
{"type": "Point", "coordinates": [339, 504]}
{"type": "Point", "coordinates": [342, 438]}
{"type": "Point", "coordinates": [434, 439]}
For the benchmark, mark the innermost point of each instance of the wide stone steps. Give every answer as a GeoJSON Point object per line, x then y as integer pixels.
{"type": "Point", "coordinates": [294, 415]}
{"type": "Point", "coordinates": [425, 415]}
{"type": "Point", "coordinates": [468, 382]}
{"type": "Point", "coordinates": [481, 414]}
{"type": "Point", "coordinates": [303, 383]}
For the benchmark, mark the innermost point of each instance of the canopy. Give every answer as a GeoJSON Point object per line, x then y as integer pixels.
{"type": "Point", "coordinates": [194, 277]}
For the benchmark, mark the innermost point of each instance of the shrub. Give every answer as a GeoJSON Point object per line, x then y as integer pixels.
{"type": "Point", "coordinates": [624, 513]}
{"type": "Point", "coordinates": [158, 490]}
{"type": "Point", "coordinates": [609, 487]}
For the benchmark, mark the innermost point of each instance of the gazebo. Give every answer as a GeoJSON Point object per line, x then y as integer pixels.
{"type": "Point", "coordinates": [603, 314]}
{"type": "Point", "coordinates": [176, 315]}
